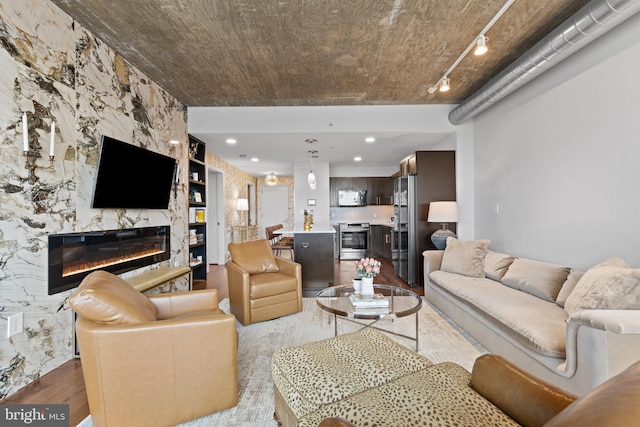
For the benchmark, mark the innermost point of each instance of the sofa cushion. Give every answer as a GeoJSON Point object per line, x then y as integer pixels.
{"type": "Point", "coordinates": [538, 324]}
{"type": "Point", "coordinates": [496, 264]}
{"type": "Point", "coordinates": [105, 298]}
{"type": "Point", "coordinates": [609, 285]}
{"type": "Point", "coordinates": [541, 279]}
{"type": "Point", "coordinates": [435, 396]}
{"type": "Point", "coordinates": [568, 286]}
{"type": "Point", "coordinates": [254, 256]}
{"type": "Point", "coordinates": [466, 258]}
{"type": "Point", "coordinates": [316, 374]}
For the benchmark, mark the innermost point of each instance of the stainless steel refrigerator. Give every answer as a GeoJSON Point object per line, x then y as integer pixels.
{"type": "Point", "coordinates": [404, 245]}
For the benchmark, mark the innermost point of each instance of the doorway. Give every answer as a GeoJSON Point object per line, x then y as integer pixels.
{"type": "Point", "coordinates": [277, 210]}
{"type": "Point", "coordinates": [215, 217]}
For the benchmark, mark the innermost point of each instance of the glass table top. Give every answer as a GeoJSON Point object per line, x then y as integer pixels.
{"type": "Point", "coordinates": [402, 302]}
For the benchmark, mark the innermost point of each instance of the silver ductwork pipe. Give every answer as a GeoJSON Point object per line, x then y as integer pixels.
{"type": "Point", "coordinates": [586, 25]}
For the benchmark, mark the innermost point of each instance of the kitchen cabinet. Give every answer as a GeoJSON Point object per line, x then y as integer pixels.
{"type": "Point", "coordinates": [315, 252]}
{"type": "Point", "coordinates": [380, 241]}
{"type": "Point", "coordinates": [408, 166]}
{"type": "Point", "coordinates": [379, 189]}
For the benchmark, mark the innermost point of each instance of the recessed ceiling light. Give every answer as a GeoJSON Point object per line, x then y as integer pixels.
{"type": "Point", "coordinates": [231, 141]}
{"type": "Point", "coordinates": [174, 142]}
{"type": "Point", "coordinates": [357, 159]}
{"type": "Point", "coordinates": [254, 159]}
{"type": "Point", "coordinates": [370, 139]}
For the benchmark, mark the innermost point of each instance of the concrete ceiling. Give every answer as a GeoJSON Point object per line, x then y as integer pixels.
{"type": "Point", "coordinates": [315, 53]}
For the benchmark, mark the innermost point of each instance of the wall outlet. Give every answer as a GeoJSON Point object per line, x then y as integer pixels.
{"type": "Point", "coordinates": [495, 209]}
{"type": "Point", "coordinates": [14, 325]}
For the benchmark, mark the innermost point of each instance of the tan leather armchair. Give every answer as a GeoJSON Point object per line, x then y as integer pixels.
{"type": "Point", "coordinates": [261, 285]}
{"type": "Point", "coordinates": [153, 361]}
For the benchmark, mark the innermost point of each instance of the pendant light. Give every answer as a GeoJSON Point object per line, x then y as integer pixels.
{"type": "Point", "coordinates": [271, 179]}
{"type": "Point", "coordinates": [311, 178]}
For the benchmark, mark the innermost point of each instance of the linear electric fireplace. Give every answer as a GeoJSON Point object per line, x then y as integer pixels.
{"type": "Point", "coordinates": [72, 256]}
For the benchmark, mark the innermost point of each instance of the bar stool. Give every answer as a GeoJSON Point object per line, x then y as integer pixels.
{"type": "Point", "coordinates": [278, 242]}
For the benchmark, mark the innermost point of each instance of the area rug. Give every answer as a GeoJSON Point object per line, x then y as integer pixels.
{"type": "Point", "coordinates": [439, 340]}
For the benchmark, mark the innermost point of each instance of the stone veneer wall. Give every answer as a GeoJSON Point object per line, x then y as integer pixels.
{"type": "Point", "coordinates": [55, 70]}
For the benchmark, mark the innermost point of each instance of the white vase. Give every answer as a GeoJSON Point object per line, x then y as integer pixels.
{"type": "Point", "coordinates": [367, 286]}
{"type": "Point", "coordinates": [357, 286]}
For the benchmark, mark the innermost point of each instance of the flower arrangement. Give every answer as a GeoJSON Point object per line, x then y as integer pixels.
{"type": "Point", "coordinates": [368, 267]}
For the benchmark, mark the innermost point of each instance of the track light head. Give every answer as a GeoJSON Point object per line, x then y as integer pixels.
{"type": "Point", "coordinates": [481, 45]}
{"type": "Point", "coordinates": [445, 84]}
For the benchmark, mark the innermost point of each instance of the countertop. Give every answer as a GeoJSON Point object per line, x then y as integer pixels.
{"type": "Point", "coordinates": [329, 230]}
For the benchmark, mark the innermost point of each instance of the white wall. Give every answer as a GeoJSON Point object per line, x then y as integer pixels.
{"type": "Point", "coordinates": [561, 159]}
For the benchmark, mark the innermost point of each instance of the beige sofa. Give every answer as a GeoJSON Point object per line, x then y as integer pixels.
{"type": "Point", "coordinates": [570, 328]}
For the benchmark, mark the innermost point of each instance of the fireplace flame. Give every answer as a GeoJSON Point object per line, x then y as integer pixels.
{"type": "Point", "coordinates": [88, 265]}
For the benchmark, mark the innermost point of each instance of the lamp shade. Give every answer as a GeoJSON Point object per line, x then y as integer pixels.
{"type": "Point", "coordinates": [443, 212]}
{"type": "Point", "coordinates": [242, 205]}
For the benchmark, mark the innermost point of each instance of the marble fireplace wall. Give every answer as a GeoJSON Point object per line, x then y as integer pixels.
{"type": "Point", "coordinates": [56, 71]}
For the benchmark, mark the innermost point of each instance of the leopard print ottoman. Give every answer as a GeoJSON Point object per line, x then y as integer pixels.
{"type": "Point", "coordinates": [309, 376]}
{"type": "Point", "coordinates": [434, 397]}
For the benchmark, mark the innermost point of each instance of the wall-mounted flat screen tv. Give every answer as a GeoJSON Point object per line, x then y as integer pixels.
{"type": "Point", "coordinates": [132, 177]}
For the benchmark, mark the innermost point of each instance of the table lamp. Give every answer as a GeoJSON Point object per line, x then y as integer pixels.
{"type": "Point", "coordinates": [242, 205]}
{"type": "Point", "coordinates": [444, 213]}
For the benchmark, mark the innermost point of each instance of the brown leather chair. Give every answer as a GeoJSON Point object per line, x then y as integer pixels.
{"type": "Point", "coordinates": [530, 401]}
{"type": "Point", "coordinates": [261, 285]}
{"type": "Point", "coordinates": [154, 361]}
{"type": "Point", "coordinates": [279, 242]}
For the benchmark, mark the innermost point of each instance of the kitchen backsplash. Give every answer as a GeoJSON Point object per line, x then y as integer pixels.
{"type": "Point", "coordinates": [372, 214]}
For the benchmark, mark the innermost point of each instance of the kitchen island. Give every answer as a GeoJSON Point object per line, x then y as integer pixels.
{"type": "Point", "coordinates": [313, 249]}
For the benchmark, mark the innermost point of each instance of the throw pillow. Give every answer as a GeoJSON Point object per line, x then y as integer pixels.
{"type": "Point", "coordinates": [540, 279]}
{"type": "Point", "coordinates": [105, 298]}
{"type": "Point", "coordinates": [254, 256]}
{"type": "Point", "coordinates": [610, 285]}
{"type": "Point", "coordinates": [466, 258]}
{"type": "Point", "coordinates": [568, 287]}
{"type": "Point", "coordinates": [496, 265]}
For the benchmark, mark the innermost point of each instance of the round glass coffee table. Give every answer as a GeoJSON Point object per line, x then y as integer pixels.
{"type": "Point", "coordinates": [401, 302]}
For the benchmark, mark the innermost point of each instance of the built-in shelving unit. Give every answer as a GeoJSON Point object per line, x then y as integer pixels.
{"type": "Point", "coordinates": [197, 209]}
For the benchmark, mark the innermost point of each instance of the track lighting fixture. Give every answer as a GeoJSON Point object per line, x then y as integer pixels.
{"type": "Point", "coordinates": [445, 84]}
{"type": "Point", "coordinates": [481, 46]}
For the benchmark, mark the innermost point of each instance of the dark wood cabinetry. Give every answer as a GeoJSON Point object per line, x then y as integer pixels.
{"type": "Point", "coordinates": [197, 209]}
{"type": "Point", "coordinates": [435, 173]}
{"type": "Point", "coordinates": [380, 241]}
{"type": "Point", "coordinates": [408, 166]}
{"type": "Point", "coordinates": [379, 189]}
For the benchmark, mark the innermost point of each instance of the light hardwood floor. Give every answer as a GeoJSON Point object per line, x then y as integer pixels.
{"type": "Point", "coordinates": [65, 385]}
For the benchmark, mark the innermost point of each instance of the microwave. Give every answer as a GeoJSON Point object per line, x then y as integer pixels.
{"type": "Point", "coordinates": [352, 197]}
